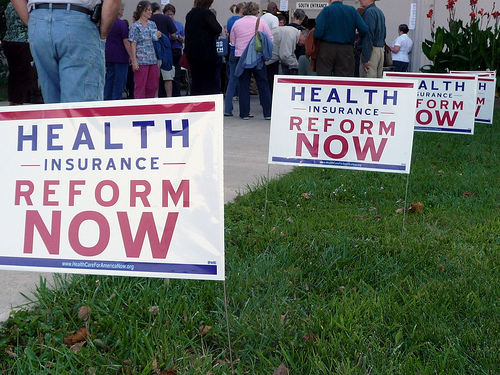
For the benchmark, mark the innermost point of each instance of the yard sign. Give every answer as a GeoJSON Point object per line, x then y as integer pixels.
{"type": "Point", "coordinates": [346, 123]}
{"type": "Point", "coordinates": [131, 188]}
{"type": "Point", "coordinates": [485, 101]}
{"type": "Point", "coordinates": [446, 103]}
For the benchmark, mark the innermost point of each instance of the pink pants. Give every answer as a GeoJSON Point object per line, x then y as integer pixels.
{"type": "Point", "coordinates": [146, 81]}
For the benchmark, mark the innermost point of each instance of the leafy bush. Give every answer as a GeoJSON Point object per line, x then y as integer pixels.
{"type": "Point", "coordinates": [471, 45]}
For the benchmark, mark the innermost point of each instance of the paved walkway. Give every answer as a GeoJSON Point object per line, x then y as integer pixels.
{"type": "Point", "coordinates": [245, 163]}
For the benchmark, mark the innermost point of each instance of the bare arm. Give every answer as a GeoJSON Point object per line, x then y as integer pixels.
{"type": "Point", "coordinates": [133, 56]}
{"type": "Point", "coordinates": [21, 7]}
{"type": "Point", "coordinates": [395, 49]}
{"type": "Point", "coordinates": [126, 43]}
{"type": "Point", "coordinates": [110, 10]}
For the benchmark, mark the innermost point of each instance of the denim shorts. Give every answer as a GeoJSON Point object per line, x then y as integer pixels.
{"type": "Point", "coordinates": [68, 54]}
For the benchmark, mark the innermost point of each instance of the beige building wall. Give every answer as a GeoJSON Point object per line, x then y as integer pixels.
{"type": "Point", "coordinates": [396, 12]}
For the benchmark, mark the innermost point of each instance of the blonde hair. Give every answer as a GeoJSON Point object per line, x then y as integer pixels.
{"type": "Point", "coordinates": [235, 8]}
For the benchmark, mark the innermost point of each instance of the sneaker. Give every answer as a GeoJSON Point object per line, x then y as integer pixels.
{"type": "Point", "coordinates": [267, 118]}
{"type": "Point", "coordinates": [245, 118]}
{"type": "Point", "coordinates": [228, 114]}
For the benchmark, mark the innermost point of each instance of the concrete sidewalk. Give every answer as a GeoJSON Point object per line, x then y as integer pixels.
{"type": "Point", "coordinates": [245, 163]}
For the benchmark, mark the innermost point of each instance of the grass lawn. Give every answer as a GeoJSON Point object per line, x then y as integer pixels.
{"type": "Point", "coordinates": [321, 280]}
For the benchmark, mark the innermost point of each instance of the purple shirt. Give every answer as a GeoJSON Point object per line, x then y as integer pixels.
{"type": "Point", "coordinates": [115, 50]}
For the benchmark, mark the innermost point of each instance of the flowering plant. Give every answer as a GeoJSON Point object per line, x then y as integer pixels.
{"type": "Point", "coordinates": [470, 45]}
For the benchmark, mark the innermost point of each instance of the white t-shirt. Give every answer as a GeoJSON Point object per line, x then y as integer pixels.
{"type": "Point", "coordinates": [271, 20]}
{"type": "Point", "coordinates": [405, 44]}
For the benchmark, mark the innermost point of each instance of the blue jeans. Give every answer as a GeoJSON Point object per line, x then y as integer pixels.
{"type": "Point", "coordinates": [232, 85]}
{"type": "Point", "coordinates": [68, 54]}
{"type": "Point", "coordinates": [116, 78]}
{"type": "Point", "coordinates": [263, 87]}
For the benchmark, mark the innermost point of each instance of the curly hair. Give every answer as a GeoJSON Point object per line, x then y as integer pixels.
{"type": "Point", "coordinates": [250, 9]}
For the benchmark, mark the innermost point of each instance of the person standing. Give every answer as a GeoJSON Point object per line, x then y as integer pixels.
{"type": "Point", "coordinates": [232, 85]}
{"type": "Point", "coordinates": [400, 49]}
{"type": "Point", "coordinates": [68, 46]}
{"type": "Point", "coordinates": [166, 26]}
{"type": "Point", "coordinates": [144, 62]}
{"type": "Point", "coordinates": [177, 45]}
{"type": "Point", "coordinates": [372, 44]}
{"type": "Point", "coordinates": [22, 84]}
{"type": "Point", "coordinates": [202, 29]}
{"type": "Point", "coordinates": [271, 15]}
{"type": "Point", "coordinates": [299, 21]}
{"type": "Point", "coordinates": [118, 57]}
{"type": "Point", "coordinates": [291, 38]}
{"type": "Point", "coordinates": [249, 64]}
{"type": "Point", "coordinates": [336, 27]}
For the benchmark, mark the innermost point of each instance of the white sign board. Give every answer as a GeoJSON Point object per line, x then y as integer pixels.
{"type": "Point", "coordinates": [346, 123]}
{"type": "Point", "coordinates": [446, 103]}
{"type": "Point", "coordinates": [413, 16]}
{"type": "Point", "coordinates": [486, 86]}
{"type": "Point", "coordinates": [311, 5]}
{"type": "Point", "coordinates": [131, 188]}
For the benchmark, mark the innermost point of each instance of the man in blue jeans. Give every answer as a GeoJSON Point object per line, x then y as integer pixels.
{"type": "Point", "coordinates": [68, 46]}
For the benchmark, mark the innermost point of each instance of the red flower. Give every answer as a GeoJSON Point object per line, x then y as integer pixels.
{"type": "Point", "coordinates": [496, 14]}
{"type": "Point", "coordinates": [451, 4]}
{"type": "Point", "coordinates": [431, 12]}
{"type": "Point", "coordinates": [480, 11]}
{"type": "Point", "coordinates": [473, 2]}
{"type": "Point", "coordinates": [472, 15]}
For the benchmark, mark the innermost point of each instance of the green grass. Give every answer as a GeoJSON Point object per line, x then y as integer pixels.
{"type": "Point", "coordinates": [319, 279]}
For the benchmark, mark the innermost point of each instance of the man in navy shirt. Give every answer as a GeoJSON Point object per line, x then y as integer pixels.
{"type": "Point", "coordinates": [164, 24]}
{"type": "Point", "coordinates": [336, 27]}
{"type": "Point", "coordinates": [372, 45]}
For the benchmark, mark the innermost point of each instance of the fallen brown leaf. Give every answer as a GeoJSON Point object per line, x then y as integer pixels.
{"type": "Point", "coordinates": [311, 337]}
{"type": "Point", "coordinates": [84, 312]}
{"type": "Point", "coordinates": [204, 330]}
{"type": "Point", "coordinates": [155, 310]}
{"type": "Point", "coordinates": [185, 315]}
{"type": "Point", "coordinates": [169, 372]}
{"type": "Point", "coordinates": [79, 336]}
{"type": "Point", "coordinates": [399, 210]}
{"type": "Point", "coordinates": [282, 370]}
{"type": "Point", "coordinates": [10, 352]}
{"type": "Point", "coordinates": [77, 346]}
{"type": "Point", "coordinates": [416, 208]}
{"type": "Point", "coordinates": [307, 195]}
{"type": "Point", "coordinates": [468, 194]}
